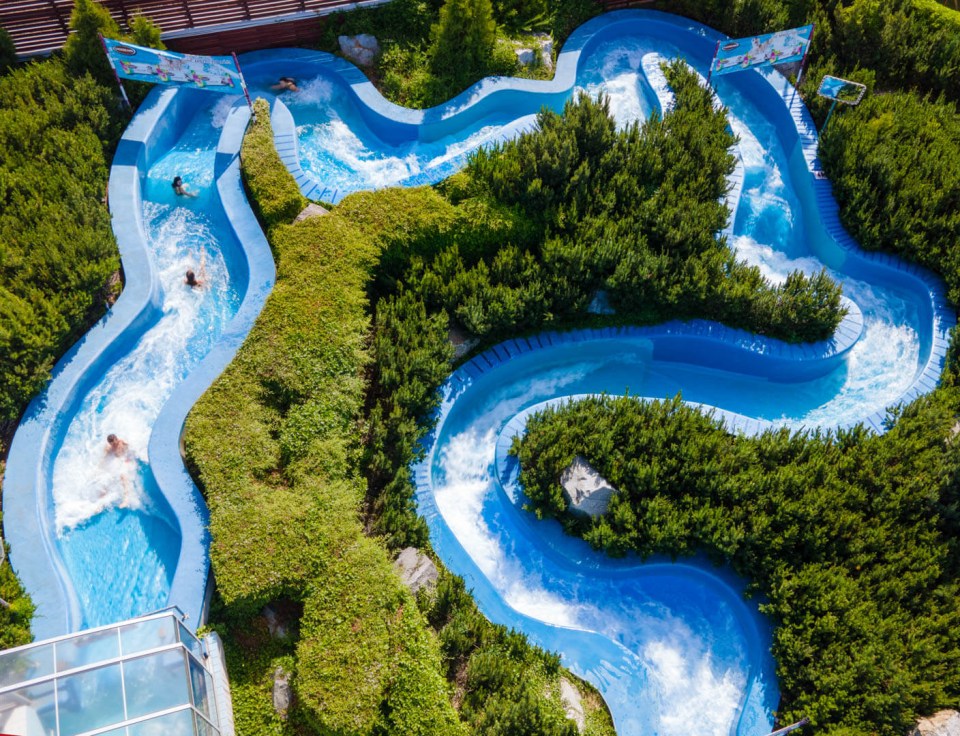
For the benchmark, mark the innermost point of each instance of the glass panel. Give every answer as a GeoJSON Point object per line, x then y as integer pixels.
{"type": "Point", "coordinates": [204, 728]}
{"type": "Point", "coordinates": [89, 700]}
{"type": "Point", "coordinates": [199, 680]}
{"type": "Point", "coordinates": [26, 665]}
{"type": "Point", "coordinates": [122, 731]}
{"type": "Point", "coordinates": [29, 711]}
{"type": "Point", "coordinates": [150, 634]}
{"type": "Point", "coordinates": [155, 682]}
{"type": "Point", "coordinates": [191, 642]}
{"type": "Point", "coordinates": [172, 724]}
{"type": "Point", "coordinates": [87, 649]}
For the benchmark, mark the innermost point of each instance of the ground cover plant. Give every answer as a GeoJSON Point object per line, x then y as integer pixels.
{"type": "Point", "coordinates": [849, 538]}
{"type": "Point", "coordinates": [275, 444]}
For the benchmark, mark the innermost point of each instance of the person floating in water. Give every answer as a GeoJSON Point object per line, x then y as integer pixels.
{"type": "Point", "coordinates": [180, 189]}
{"type": "Point", "coordinates": [285, 84]}
{"type": "Point", "coordinates": [117, 447]}
{"type": "Point", "coordinates": [195, 280]}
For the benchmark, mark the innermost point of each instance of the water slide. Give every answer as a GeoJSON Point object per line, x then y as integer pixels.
{"type": "Point", "coordinates": [673, 648]}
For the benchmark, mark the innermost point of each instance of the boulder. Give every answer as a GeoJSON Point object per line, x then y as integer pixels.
{"type": "Point", "coordinates": [311, 210]}
{"type": "Point", "coordinates": [461, 341]}
{"type": "Point", "coordinates": [572, 704]}
{"type": "Point", "coordinates": [275, 625]}
{"type": "Point", "coordinates": [546, 49]}
{"type": "Point", "coordinates": [361, 49]}
{"type": "Point", "coordinates": [282, 692]}
{"type": "Point", "coordinates": [525, 56]}
{"type": "Point", "coordinates": [942, 723]}
{"type": "Point", "coordinates": [587, 492]}
{"type": "Point", "coordinates": [416, 569]}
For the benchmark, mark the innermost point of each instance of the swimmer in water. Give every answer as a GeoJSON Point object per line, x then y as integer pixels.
{"type": "Point", "coordinates": [195, 280]}
{"type": "Point", "coordinates": [117, 447]}
{"type": "Point", "coordinates": [285, 84]}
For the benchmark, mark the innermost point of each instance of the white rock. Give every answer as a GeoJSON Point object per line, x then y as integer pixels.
{"type": "Point", "coordinates": [572, 705]}
{"type": "Point", "coordinates": [282, 692]}
{"type": "Point", "coordinates": [311, 210]}
{"type": "Point", "coordinates": [942, 723]}
{"type": "Point", "coordinates": [416, 569]}
{"type": "Point", "coordinates": [525, 56]}
{"type": "Point", "coordinates": [361, 49]}
{"type": "Point", "coordinates": [587, 492]}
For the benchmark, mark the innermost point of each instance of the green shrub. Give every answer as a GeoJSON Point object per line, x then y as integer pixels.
{"type": "Point", "coordinates": [849, 538]}
{"type": "Point", "coordinates": [463, 41]}
{"type": "Point", "coordinates": [895, 164]}
{"type": "Point", "coordinates": [275, 195]}
{"type": "Point", "coordinates": [17, 609]}
{"type": "Point", "coordinates": [83, 50]}
{"type": "Point", "coordinates": [55, 133]}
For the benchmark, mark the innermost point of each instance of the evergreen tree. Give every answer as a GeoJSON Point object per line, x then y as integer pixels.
{"type": "Point", "coordinates": [83, 49]}
{"type": "Point", "coordinates": [463, 40]}
{"type": "Point", "coordinates": [8, 53]}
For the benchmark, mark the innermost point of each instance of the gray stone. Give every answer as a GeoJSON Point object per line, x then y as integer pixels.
{"type": "Point", "coordinates": [361, 49]}
{"type": "Point", "coordinates": [525, 56]}
{"type": "Point", "coordinates": [282, 692]}
{"type": "Point", "coordinates": [461, 341]}
{"type": "Point", "coordinates": [274, 625]}
{"type": "Point", "coordinates": [600, 304]}
{"type": "Point", "coordinates": [587, 492]}
{"type": "Point", "coordinates": [311, 210]}
{"type": "Point", "coordinates": [416, 569]}
{"type": "Point", "coordinates": [572, 704]}
{"type": "Point", "coordinates": [942, 723]}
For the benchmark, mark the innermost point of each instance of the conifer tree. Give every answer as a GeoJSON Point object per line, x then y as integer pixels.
{"type": "Point", "coordinates": [83, 50]}
{"type": "Point", "coordinates": [463, 40]}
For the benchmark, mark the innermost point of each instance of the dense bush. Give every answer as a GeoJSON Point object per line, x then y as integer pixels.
{"type": "Point", "coordinates": [895, 164]}
{"type": "Point", "coordinates": [463, 40]}
{"type": "Point", "coordinates": [273, 192]}
{"type": "Point", "coordinates": [16, 608]}
{"type": "Point", "coordinates": [850, 539]}
{"type": "Point", "coordinates": [56, 247]}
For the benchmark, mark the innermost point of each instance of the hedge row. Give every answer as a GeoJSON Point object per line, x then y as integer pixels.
{"type": "Point", "coordinates": [274, 194]}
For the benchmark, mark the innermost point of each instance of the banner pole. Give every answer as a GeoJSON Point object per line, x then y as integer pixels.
{"type": "Point", "coordinates": [716, 50]}
{"type": "Point", "coordinates": [243, 83]}
{"type": "Point", "coordinates": [113, 68]}
{"type": "Point", "coordinates": [806, 51]}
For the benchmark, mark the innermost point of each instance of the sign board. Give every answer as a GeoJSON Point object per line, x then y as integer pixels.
{"type": "Point", "coordinates": [841, 90]}
{"type": "Point", "coordinates": [781, 47]}
{"type": "Point", "coordinates": [212, 73]}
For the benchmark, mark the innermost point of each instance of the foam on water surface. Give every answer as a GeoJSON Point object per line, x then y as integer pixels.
{"type": "Point", "coordinates": [118, 537]}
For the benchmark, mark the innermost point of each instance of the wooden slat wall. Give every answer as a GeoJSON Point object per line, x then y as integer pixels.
{"type": "Point", "coordinates": [40, 26]}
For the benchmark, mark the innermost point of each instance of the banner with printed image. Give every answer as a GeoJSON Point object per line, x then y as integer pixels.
{"type": "Point", "coordinates": [781, 47]}
{"type": "Point", "coordinates": [211, 73]}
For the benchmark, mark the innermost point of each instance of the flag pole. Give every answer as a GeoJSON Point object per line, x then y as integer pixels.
{"type": "Point", "coordinates": [243, 83]}
{"type": "Point", "coordinates": [113, 68]}
{"type": "Point", "coordinates": [713, 61]}
{"type": "Point", "coordinates": [806, 51]}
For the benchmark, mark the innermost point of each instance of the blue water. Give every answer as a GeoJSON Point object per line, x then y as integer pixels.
{"type": "Point", "coordinates": [119, 540]}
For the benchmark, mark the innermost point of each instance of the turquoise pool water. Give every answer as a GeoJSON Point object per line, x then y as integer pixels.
{"type": "Point", "coordinates": [118, 537]}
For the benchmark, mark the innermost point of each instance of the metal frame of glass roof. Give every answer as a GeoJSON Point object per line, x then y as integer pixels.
{"type": "Point", "coordinates": [143, 677]}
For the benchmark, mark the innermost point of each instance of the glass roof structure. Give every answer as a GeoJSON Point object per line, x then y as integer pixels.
{"type": "Point", "coordinates": [144, 677]}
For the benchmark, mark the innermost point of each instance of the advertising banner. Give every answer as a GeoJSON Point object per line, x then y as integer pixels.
{"type": "Point", "coordinates": [781, 47]}
{"type": "Point", "coordinates": [212, 73]}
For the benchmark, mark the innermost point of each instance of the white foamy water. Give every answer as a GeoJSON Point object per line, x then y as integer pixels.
{"type": "Point", "coordinates": [128, 398]}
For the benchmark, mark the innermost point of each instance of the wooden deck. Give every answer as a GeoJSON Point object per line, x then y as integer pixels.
{"type": "Point", "coordinates": [195, 26]}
